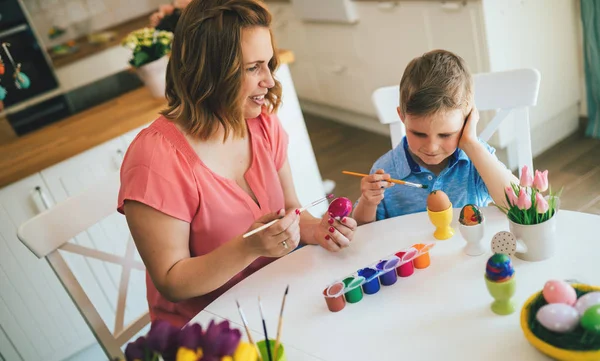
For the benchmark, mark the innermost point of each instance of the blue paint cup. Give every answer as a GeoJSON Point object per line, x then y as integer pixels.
{"type": "Point", "coordinates": [387, 269]}
{"type": "Point", "coordinates": [371, 285]}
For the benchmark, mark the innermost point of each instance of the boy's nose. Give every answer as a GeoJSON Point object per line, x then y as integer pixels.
{"type": "Point", "coordinates": [431, 148]}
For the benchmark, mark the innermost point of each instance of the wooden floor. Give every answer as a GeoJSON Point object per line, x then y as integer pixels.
{"type": "Point", "coordinates": [573, 164]}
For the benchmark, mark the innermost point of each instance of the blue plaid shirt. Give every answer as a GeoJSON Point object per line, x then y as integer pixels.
{"type": "Point", "coordinates": [459, 180]}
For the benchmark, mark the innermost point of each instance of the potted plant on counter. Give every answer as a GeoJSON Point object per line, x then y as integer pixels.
{"type": "Point", "coordinates": [150, 49]}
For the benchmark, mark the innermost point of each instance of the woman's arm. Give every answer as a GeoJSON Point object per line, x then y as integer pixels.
{"type": "Point", "coordinates": [314, 230]}
{"type": "Point", "coordinates": [163, 243]}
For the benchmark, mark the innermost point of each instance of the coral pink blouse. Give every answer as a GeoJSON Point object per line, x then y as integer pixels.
{"type": "Point", "coordinates": [162, 171]}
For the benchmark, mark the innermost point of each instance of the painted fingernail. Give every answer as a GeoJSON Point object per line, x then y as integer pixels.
{"type": "Point", "coordinates": [331, 229]}
{"type": "Point", "coordinates": [344, 220]}
{"type": "Point", "coordinates": [327, 237]}
{"type": "Point", "coordinates": [297, 211]}
{"type": "Point", "coordinates": [330, 221]}
{"type": "Point", "coordinates": [279, 212]}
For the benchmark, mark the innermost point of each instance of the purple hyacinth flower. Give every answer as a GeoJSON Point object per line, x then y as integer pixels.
{"type": "Point", "coordinates": [162, 339]}
{"type": "Point", "coordinates": [220, 340]}
{"type": "Point", "coordinates": [190, 337]}
{"type": "Point", "coordinates": [137, 350]}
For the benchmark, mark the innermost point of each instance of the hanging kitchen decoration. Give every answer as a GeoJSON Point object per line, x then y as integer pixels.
{"type": "Point", "coordinates": [21, 79]}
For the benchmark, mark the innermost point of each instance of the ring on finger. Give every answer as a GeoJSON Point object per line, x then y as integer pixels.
{"type": "Point", "coordinates": [285, 245]}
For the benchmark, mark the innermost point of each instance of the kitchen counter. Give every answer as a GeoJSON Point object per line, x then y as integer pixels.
{"type": "Point", "coordinates": [54, 143]}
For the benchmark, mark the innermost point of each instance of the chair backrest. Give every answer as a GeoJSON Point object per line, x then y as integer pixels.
{"type": "Point", "coordinates": [508, 92]}
{"type": "Point", "coordinates": [54, 233]}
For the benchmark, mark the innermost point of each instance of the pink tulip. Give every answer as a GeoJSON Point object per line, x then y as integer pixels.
{"type": "Point", "coordinates": [526, 177]}
{"type": "Point", "coordinates": [540, 203]}
{"type": "Point", "coordinates": [524, 201]}
{"type": "Point", "coordinates": [540, 180]}
{"type": "Point", "coordinates": [512, 198]}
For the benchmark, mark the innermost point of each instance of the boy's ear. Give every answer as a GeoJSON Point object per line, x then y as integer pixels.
{"type": "Point", "coordinates": [399, 114]}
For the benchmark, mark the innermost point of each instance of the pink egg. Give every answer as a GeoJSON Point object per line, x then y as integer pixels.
{"type": "Point", "coordinates": [556, 291]}
{"type": "Point", "coordinates": [558, 317]}
{"type": "Point", "coordinates": [586, 301]}
{"type": "Point", "coordinates": [340, 207]}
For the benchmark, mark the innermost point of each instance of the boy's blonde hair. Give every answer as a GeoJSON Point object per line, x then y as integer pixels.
{"type": "Point", "coordinates": [437, 81]}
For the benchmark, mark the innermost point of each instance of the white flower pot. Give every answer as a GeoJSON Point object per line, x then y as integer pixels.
{"type": "Point", "coordinates": [153, 75]}
{"type": "Point", "coordinates": [535, 242]}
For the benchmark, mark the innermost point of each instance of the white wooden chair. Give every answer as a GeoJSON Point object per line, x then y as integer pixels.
{"type": "Point", "coordinates": [512, 91]}
{"type": "Point", "coordinates": [53, 235]}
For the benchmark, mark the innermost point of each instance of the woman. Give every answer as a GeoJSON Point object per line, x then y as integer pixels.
{"type": "Point", "coordinates": [214, 165]}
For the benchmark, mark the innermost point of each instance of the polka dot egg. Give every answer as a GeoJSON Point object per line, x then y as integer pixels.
{"type": "Point", "coordinates": [556, 291]}
{"type": "Point", "coordinates": [558, 317]}
{"type": "Point", "coordinates": [586, 301]}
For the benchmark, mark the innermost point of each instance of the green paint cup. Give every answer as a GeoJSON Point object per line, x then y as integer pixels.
{"type": "Point", "coordinates": [262, 347]}
{"type": "Point", "coordinates": [354, 292]}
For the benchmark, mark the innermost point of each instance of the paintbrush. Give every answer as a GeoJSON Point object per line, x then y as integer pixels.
{"type": "Point", "coordinates": [266, 225]}
{"type": "Point", "coordinates": [245, 322]}
{"type": "Point", "coordinates": [397, 181]}
{"type": "Point", "coordinates": [267, 341]}
{"type": "Point", "coordinates": [280, 323]}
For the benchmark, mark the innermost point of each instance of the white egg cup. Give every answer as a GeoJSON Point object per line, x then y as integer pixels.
{"type": "Point", "coordinates": [473, 235]}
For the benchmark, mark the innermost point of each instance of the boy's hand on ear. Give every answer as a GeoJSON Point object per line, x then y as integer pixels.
{"type": "Point", "coordinates": [469, 132]}
{"type": "Point", "coordinates": [373, 186]}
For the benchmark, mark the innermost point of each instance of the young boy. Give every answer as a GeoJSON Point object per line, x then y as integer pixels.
{"type": "Point", "coordinates": [440, 149]}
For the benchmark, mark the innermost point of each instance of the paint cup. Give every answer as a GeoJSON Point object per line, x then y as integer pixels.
{"type": "Point", "coordinates": [406, 267]}
{"type": "Point", "coordinates": [371, 285]}
{"type": "Point", "coordinates": [334, 297]}
{"type": "Point", "coordinates": [387, 269]}
{"type": "Point", "coordinates": [422, 260]}
{"type": "Point", "coordinates": [353, 291]}
{"type": "Point", "coordinates": [262, 347]}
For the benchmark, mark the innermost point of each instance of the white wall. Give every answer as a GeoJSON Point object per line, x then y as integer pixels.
{"type": "Point", "coordinates": [81, 17]}
{"type": "Point", "coordinates": [339, 66]}
{"type": "Point", "coordinates": [542, 34]}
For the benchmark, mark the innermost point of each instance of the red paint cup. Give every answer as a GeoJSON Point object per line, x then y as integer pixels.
{"type": "Point", "coordinates": [334, 297]}
{"type": "Point", "coordinates": [407, 267]}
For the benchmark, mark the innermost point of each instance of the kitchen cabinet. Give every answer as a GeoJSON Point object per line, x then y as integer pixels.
{"type": "Point", "coordinates": [7, 350]}
{"type": "Point", "coordinates": [36, 314]}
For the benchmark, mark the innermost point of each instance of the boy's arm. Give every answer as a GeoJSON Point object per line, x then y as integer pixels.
{"type": "Point", "coordinates": [494, 174]}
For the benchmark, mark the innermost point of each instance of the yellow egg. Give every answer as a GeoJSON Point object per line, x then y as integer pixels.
{"type": "Point", "coordinates": [438, 201]}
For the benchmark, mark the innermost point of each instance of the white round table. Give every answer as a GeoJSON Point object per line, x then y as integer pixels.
{"type": "Point", "coordinates": [439, 313]}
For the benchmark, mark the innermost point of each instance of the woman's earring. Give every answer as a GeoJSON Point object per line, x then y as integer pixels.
{"type": "Point", "coordinates": [2, 96]}
{"type": "Point", "coordinates": [21, 79]}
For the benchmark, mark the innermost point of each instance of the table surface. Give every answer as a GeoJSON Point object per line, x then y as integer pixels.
{"type": "Point", "coordinates": [441, 312]}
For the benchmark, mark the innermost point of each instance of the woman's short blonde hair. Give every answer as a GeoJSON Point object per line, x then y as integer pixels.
{"type": "Point", "coordinates": [206, 67]}
{"type": "Point", "coordinates": [436, 81]}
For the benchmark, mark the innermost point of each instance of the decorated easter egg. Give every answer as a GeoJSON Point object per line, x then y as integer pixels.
{"type": "Point", "coordinates": [591, 319]}
{"type": "Point", "coordinates": [470, 215]}
{"type": "Point", "coordinates": [586, 301]}
{"type": "Point", "coordinates": [499, 268]}
{"type": "Point", "coordinates": [340, 207]}
{"type": "Point", "coordinates": [438, 201]}
{"type": "Point", "coordinates": [558, 317]}
{"type": "Point", "coordinates": [556, 291]}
